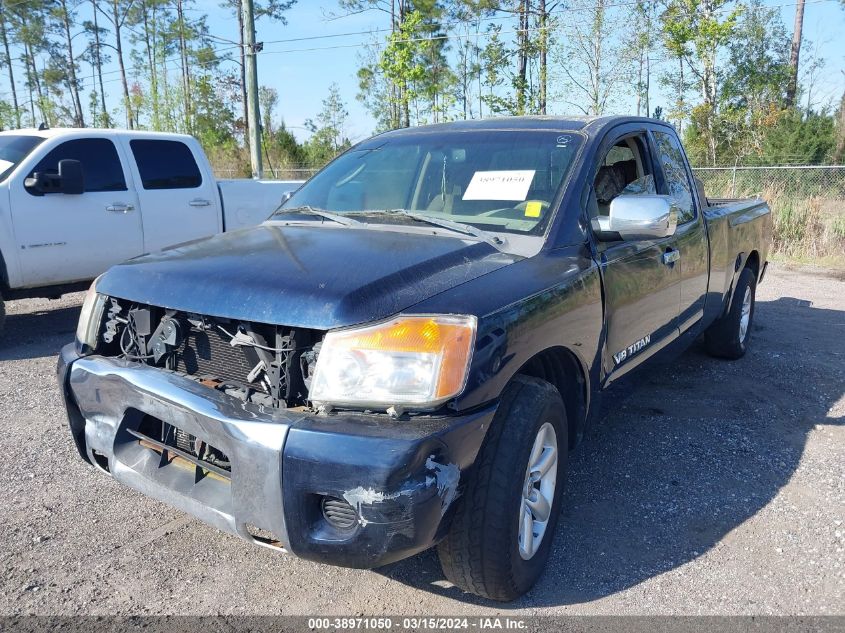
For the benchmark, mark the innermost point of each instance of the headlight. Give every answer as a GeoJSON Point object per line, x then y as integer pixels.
{"type": "Point", "coordinates": [409, 362]}
{"type": "Point", "coordinates": [90, 317]}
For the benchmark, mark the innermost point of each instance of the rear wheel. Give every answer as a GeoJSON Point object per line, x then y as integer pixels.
{"type": "Point", "coordinates": [728, 336]}
{"type": "Point", "coordinates": [502, 531]}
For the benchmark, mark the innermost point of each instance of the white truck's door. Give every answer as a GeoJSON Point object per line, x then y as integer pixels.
{"type": "Point", "coordinates": [65, 238]}
{"type": "Point", "coordinates": [177, 192]}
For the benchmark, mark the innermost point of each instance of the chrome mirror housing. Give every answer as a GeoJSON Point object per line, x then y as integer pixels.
{"type": "Point", "coordinates": [640, 217]}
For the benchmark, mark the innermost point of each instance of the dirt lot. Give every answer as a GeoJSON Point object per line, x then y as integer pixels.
{"type": "Point", "coordinates": [709, 487]}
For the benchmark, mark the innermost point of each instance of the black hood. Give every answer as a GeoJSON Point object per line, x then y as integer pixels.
{"type": "Point", "coordinates": [311, 276]}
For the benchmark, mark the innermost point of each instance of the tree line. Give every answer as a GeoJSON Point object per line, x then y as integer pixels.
{"type": "Point", "coordinates": [738, 84]}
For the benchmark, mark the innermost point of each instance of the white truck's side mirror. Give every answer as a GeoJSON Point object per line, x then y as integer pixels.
{"type": "Point", "coordinates": [69, 180]}
{"type": "Point", "coordinates": [639, 217]}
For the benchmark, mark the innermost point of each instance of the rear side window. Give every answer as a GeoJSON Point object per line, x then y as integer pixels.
{"type": "Point", "coordinates": [672, 161]}
{"type": "Point", "coordinates": [101, 166]}
{"type": "Point", "coordinates": [166, 164]}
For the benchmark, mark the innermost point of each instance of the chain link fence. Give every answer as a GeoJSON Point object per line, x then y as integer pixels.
{"type": "Point", "coordinates": [807, 181]}
{"type": "Point", "coordinates": [807, 202]}
{"type": "Point", "coordinates": [281, 173]}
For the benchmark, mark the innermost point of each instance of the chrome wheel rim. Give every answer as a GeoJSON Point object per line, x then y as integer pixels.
{"type": "Point", "coordinates": [745, 315]}
{"type": "Point", "coordinates": [538, 491]}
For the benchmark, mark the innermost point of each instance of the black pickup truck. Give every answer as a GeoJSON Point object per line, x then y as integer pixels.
{"type": "Point", "coordinates": [404, 353]}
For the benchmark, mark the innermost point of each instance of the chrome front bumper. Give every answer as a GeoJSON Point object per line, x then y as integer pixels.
{"type": "Point", "coordinates": [108, 391]}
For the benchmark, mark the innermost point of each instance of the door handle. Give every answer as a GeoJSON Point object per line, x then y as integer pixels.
{"type": "Point", "coordinates": [120, 207]}
{"type": "Point", "coordinates": [199, 202]}
{"type": "Point", "coordinates": [671, 256]}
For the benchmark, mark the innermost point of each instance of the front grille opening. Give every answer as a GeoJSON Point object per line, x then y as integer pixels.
{"type": "Point", "coordinates": [264, 364]}
{"type": "Point", "coordinates": [176, 445]}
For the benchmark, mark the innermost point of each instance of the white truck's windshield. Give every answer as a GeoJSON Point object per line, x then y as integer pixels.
{"type": "Point", "coordinates": [13, 149]}
{"type": "Point", "coordinates": [502, 181]}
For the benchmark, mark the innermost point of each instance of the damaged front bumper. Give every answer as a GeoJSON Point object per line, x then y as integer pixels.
{"type": "Point", "coordinates": [399, 477]}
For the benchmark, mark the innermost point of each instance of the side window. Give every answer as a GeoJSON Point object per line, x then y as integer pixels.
{"type": "Point", "coordinates": [677, 181]}
{"type": "Point", "coordinates": [622, 171]}
{"type": "Point", "coordinates": [165, 164]}
{"type": "Point", "coordinates": [101, 166]}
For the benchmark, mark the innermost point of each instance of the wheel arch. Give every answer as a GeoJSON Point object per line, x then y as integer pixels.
{"type": "Point", "coordinates": [561, 367]}
{"type": "Point", "coordinates": [753, 262]}
{"type": "Point", "coordinates": [4, 274]}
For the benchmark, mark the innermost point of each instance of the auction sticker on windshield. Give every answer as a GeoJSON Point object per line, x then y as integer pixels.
{"type": "Point", "coordinates": [499, 185]}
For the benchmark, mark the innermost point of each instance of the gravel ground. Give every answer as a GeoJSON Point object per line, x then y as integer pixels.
{"type": "Point", "coordinates": [708, 487]}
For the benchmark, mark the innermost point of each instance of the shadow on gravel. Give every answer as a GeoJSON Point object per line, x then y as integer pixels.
{"type": "Point", "coordinates": [37, 334]}
{"type": "Point", "coordinates": [680, 457]}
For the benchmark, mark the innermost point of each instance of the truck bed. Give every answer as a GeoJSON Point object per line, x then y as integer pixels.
{"type": "Point", "coordinates": [734, 226]}
{"type": "Point", "coordinates": [250, 202]}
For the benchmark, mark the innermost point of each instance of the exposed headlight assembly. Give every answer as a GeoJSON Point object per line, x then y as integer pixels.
{"type": "Point", "coordinates": [409, 362]}
{"type": "Point", "coordinates": [88, 329]}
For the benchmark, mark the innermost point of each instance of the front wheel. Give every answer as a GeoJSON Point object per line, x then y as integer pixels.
{"type": "Point", "coordinates": [728, 336]}
{"type": "Point", "coordinates": [502, 531]}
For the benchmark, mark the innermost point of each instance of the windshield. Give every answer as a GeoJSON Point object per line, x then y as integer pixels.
{"type": "Point", "coordinates": [13, 149]}
{"type": "Point", "coordinates": [499, 181]}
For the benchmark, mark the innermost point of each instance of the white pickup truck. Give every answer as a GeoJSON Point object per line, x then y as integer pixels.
{"type": "Point", "coordinates": [74, 202]}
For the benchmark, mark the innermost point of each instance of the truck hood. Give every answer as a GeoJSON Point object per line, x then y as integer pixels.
{"type": "Point", "coordinates": [309, 276]}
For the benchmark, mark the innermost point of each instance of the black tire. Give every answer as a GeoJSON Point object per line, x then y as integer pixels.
{"type": "Point", "coordinates": [481, 552]}
{"type": "Point", "coordinates": [724, 337]}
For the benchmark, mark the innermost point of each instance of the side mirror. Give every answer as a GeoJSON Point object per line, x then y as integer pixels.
{"type": "Point", "coordinates": [638, 217]}
{"type": "Point", "coordinates": [287, 195]}
{"type": "Point", "coordinates": [69, 180]}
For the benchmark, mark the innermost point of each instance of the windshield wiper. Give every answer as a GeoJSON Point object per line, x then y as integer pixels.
{"type": "Point", "coordinates": [458, 227]}
{"type": "Point", "coordinates": [334, 217]}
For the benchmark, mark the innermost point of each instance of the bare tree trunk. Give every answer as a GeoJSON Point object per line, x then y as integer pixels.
{"type": "Point", "coordinates": [544, 50]}
{"type": "Point", "coordinates": [98, 59]}
{"type": "Point", "coordinates": [839, 153]}
{"type": "Point", "coordinates": [680, 95]}
{"type": "Point", "coordinates": [647, 83]}
{"type": "Point", "coordinates": [79, 120]}
{"type": "Point", "coordinates": [117, 22]}
{"type": "Point", "coordinates": [794, 53]}
{"type": "Point", "coordinates": [597, 107]}
{"type": "Point", "coordinates": [522, 56]}
{"type": "Point", "coordinates": [186, 73]}
{"type": "Point", "coordinates": [465, 76]}
{"type": "Point", "coordinates": [8, 58]}
{"type": "Point", "coordinates": [477, 49]}
{"type": "Point", "coordinates": [149, 41]}
{"type": "Point", "coordinates": [32, 71]}
{"type": "Point", "coordinates": [640, 64]}
{"type": "Point", "coordinates": [25, 60]}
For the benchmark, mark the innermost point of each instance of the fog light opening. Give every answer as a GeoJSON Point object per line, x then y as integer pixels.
{"type": "Point", "coordinates": [338, 513]}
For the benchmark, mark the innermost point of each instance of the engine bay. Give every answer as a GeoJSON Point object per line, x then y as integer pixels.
{"type": "Point", "coordinates": [264, 364]}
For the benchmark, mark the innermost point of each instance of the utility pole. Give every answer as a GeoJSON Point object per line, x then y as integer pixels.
{"type": "Point", "coordinates": [250, 49]}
